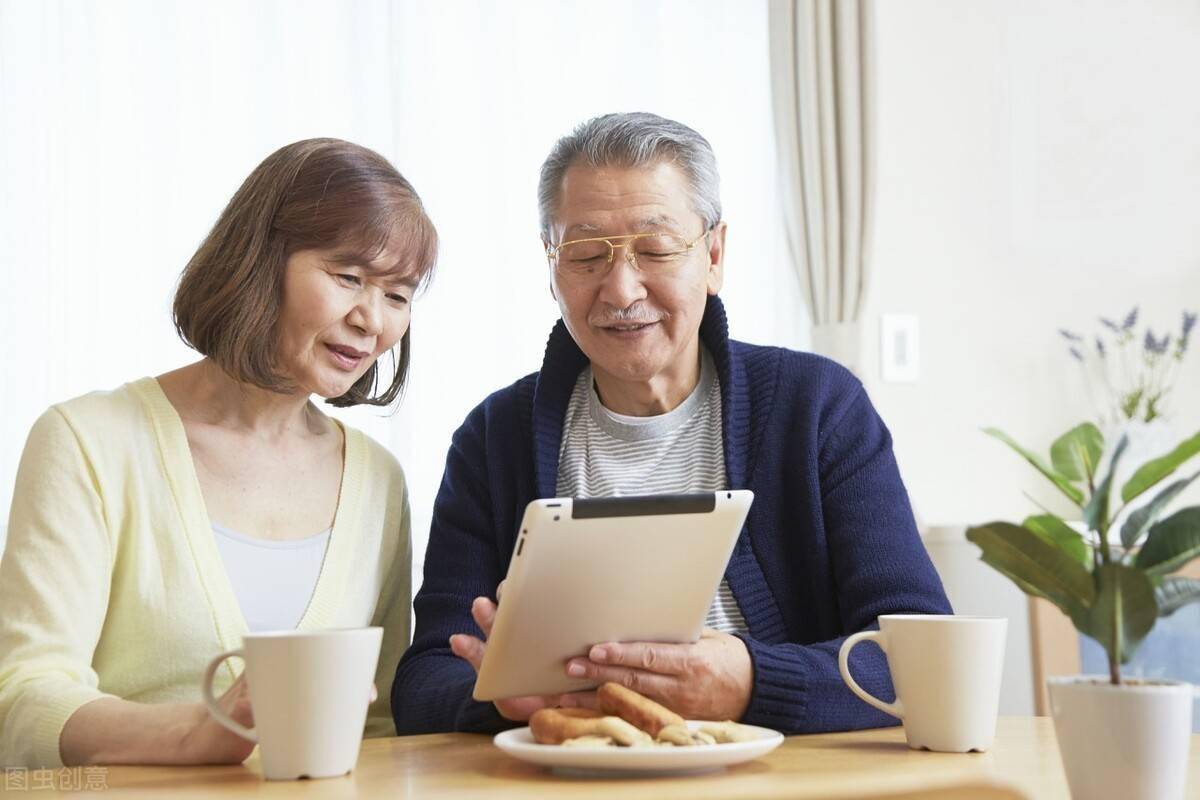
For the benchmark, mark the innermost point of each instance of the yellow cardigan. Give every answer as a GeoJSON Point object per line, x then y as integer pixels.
{"type": "Point", "coordinates": [112, 583]}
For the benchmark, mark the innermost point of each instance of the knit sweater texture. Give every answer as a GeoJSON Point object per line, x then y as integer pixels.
{"type": "Point", "coordinates": [112, 584]}
{"type": "Point", "coordinates": [829, 545]}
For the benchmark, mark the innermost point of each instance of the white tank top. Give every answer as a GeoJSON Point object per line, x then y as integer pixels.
{"type": "Point", "coordinates": [273, 580]}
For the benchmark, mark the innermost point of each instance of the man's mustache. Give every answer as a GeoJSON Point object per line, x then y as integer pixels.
{"type": "Point", "coordinates": [636, 314]}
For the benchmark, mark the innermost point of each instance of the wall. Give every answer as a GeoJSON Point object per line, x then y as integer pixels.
{"type": "Point", "coordinates": [1039, 165]}
{"type": "Point", "coordinates": [125, 127]}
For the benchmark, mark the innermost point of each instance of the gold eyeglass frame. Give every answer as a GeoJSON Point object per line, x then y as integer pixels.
{"type": "Point", "coordinates": [624, 240]}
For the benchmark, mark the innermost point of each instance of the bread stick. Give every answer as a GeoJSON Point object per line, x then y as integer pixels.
{"type": "Point", "coordinates": [623, 733]}
{"type": "Point", "coordinates": [639, 711]}
{"type": "Point", "coordinates": [728, 731]}
{"type": "Point", "coordinates": [682, 736]}
{"type": "Point", "coordinates": [580, 712]}
{"type": "Point", "coordinates": [678, 735]}
{"type": "Point", "coordinates": [590, 742]}
{"type": "Point", "coordinates": [552, 726]}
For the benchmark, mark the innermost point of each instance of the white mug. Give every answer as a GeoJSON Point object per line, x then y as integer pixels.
{"type": "Point", "coordinates": [309, 692]}
{"type": "Point", "coordinates": [946, 671]}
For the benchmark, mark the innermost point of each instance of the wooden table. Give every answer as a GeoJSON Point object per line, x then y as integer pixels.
{"type": "Point", "coordinates": [843, 765]}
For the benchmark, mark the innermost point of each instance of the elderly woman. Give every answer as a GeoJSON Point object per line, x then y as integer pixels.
{"type": "Point", "coordinates": [155, 524]}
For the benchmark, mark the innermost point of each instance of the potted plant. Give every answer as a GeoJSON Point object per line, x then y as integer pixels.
{"type": "Point", "coordinates": [1119, 738]}
{"type": "Point", "coordinates": [1128, 372]}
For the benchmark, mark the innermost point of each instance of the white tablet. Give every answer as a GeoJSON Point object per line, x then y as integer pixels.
{"type": "Point", "coordinates": [613, 569]}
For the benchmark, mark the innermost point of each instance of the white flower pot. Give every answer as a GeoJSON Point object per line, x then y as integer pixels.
{"type": "Point", "coordinates": [1127, 742]}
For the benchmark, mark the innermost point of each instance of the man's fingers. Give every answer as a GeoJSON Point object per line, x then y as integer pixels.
{"type": "Point", "coordinates": [468, 648]}
{"type": "Point", "coordinates": [650, 684]}
{"type": "Point", "coordinates": [578, 700]}
{"type": "Point", "coordinates": [519, 709]}
{"type": "Point", "coordinates": [484, 613]}
{"type": "Point", "coordinates": [665, 659]}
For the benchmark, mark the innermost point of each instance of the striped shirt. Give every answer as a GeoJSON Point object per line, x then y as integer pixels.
{"type": "Point", "coordinates": [604, 454]}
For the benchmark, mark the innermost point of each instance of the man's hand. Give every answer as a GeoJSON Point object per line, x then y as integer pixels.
{"type": "Point", "coordinates": [710, 679]}
{"type": "Point", "coordinates": [471, 649]}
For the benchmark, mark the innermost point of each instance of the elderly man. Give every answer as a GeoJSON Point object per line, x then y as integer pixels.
{"type": "Point", "coordinates": [642, 391]}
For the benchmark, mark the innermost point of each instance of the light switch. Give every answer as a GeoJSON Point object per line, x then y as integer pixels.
{"type": "Point", "coordinates": [899, 343]}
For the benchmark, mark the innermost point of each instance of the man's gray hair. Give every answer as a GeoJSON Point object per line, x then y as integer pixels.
{"type": "Point", "coordinates": [633, 140]}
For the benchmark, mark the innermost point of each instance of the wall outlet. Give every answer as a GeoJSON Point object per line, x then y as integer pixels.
{"type": "Point", "coordinates": [899, 343]}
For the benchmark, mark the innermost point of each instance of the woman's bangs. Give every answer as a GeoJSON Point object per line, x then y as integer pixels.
{"type": "Point", "coordinates": [402, 246]}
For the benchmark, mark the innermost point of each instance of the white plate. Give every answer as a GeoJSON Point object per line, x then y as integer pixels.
{"type": "Point", "coordinates": [519, 743]}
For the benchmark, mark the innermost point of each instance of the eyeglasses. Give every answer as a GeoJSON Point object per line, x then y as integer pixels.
{"type": "Point", "coordinates": [651, 253]}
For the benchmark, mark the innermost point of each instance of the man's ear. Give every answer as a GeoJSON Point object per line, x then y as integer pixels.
{"type": "Point", "coordinates": [716, 258]}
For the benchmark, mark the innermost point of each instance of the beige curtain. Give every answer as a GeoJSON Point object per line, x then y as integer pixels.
{"type": "Point", "coordinates": [821, 85]}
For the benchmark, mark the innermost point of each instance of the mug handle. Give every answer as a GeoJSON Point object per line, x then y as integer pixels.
{"type": "Point", "coordinates": [209, 700]}
{"type": "Point", "coordinates": [896, 709]}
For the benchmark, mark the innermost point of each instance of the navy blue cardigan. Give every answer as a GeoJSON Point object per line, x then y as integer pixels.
{"type": "Point", "coordinates": [829, 545]}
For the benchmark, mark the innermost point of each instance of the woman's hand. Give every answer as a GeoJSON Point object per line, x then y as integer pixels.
{"type": "Point", "coordinates": [208, 741]}
{"type": "Point", "coordinates": [110, 730]}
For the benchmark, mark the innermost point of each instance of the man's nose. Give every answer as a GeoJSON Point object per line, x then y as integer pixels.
{"type": "Point", "coordinates": [623, 286]}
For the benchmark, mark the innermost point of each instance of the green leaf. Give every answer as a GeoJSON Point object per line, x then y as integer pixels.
{"type": "Point", "coordinates": [1059, 533]}
{"type": "Point", "coordinates": [1027, 588]}
{"type": "Point", "coordinates": [1095, 513]}
{"type": "Point", "coordinates": [1031, 561]}
{"type": "Point", "coordinates": [1062, 482]}
{"type": "Point", "coordinates": [1171, 543]}
{"type": "Point", "coordinates": [1137, 522]}
{"type": "Point", "coordinates": [1076, 454]}
{"type": "Point", "coordinates": [1125, 602]}
{"type": "Point", "coordinates": [1154, 471]}
{"type": "Point", "coordinates": [1174, 593]}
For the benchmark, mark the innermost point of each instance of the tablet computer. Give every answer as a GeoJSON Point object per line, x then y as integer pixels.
{"type": "Point", "coordinates": [611, 569]}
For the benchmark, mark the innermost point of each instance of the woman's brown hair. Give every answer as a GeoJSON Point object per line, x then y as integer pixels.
{"type": "Point", "coordinates": [320, 194]}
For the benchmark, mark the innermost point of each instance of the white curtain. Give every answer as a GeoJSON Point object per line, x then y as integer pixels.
{"type": "Point", "coordinates": [821, 85]}
{"type": "Point", "coordinates": [126, 125]}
